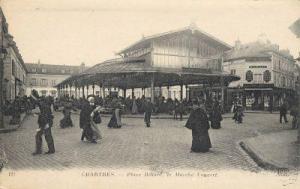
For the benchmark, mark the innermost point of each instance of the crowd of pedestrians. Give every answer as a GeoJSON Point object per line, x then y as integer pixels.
{"type": "Point", "coordinates": [203, 115]}
{"type": "Point", "coordinates": [16, 107]}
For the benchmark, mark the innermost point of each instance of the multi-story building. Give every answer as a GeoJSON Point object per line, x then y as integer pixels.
{"type": "Point", "coordinates": [267, 74]}
{"type": "Point", "coordinates": [14, 69]}
{"type": "Point", "coordinates": [44, 77]}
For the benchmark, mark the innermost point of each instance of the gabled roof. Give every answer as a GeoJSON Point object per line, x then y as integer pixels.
{"type": "Point", "coordinates": [194, 29]}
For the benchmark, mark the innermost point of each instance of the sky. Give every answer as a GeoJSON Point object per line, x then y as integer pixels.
{"type": "Point", "coordinates": [74, 31]}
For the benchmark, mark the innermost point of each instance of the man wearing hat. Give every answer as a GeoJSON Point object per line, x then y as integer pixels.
{"type": "Point", "coordinates": [45, 121]}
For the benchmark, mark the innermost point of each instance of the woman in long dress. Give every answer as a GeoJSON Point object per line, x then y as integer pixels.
{"type": "Point", "coordinates": [134, 109]}
{"type": "Point", "coordinates": [216, 116]}
{"type": "Point", "coordinates": [67, 121]}
{"type": "Point", "coordinates": [95, 121]}
{"type": "Point", "coordinates": [198, 123]}
{"type": "Point", "coordinates": [115, 120]}
{"type": "Point", "coordinates": [89, 121]}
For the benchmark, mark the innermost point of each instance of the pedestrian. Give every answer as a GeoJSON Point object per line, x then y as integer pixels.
{"type": "Point", "coordinates": [216, 116]}
{"type": "Point", "coordinates": [283, 112]}
{"type": "Point", "coordinates": [56, 104]}
{"type": "Point", "coordinates": [294, 113]}
{"type": "Point", "coordinates": [271, 106]}
{"type": "Point", "coordinates": [115, 120]}
{"type": "Point", "coordinates": [148, 111]}
{"type": "Point", "coordinates": [28, 105]}
{"type": "Point", "coordinates": [176, 109]}
{"type": "Point", "coordinates": [45, 122]}
{"type": "Point", "coordinates": [66, 121]}
{"type": "Point", "coordinates": [134, 109]}
{"type": "Point", "coordinates": [84, 120]}
{"type": "Point", "coordinates": [89, 120]}
{"type": "Point", "coordinates": [16, 111]}
{"type": "Point", "coordinates": [239, 113]}
{"type": "Point", "coordinates": [198, 123]}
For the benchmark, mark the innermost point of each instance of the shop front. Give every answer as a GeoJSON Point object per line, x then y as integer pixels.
{"type": "Point", "coordinates": [265, 97]}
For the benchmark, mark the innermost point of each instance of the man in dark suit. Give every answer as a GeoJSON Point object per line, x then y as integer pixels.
{"type": "Point", "coordinates": [148, 111]}
{"type": "Point", "coordinates": [45, 121]}
{"type": "Point", "coordinates": [283, 112]}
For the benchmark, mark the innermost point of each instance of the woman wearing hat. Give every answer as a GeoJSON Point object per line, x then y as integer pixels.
{"type": "Point", "coordinates": [89, 120]}
{"type": "Point", "coordinates": [67, 120]}
{"type": "Point", "coordinates": [198, 123]}
{"type": "Point", "coordinates": [115, 120]}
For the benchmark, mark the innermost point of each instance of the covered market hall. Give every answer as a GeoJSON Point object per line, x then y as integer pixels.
{"type": "Point", "coordinates": [188, 59]}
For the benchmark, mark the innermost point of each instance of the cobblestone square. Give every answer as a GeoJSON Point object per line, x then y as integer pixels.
{"type": "Point", "coordinates": [165, 145]}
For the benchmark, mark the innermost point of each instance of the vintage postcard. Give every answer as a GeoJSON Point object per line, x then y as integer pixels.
{"type": "Point", "coordinates": [149, 94]}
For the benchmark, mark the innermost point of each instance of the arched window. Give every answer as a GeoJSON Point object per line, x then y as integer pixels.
{"type": "Point", "coordinates": [267, 76]}
{"type": "Point", "coordinates": [249, 76]}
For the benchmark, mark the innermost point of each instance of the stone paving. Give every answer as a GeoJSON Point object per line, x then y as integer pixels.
{"type": "Point", "coordinates": [165, 145]}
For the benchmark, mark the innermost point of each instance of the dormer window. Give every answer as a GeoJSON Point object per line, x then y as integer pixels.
{"type": "Point", "coordinates": [33, 70]}
{"type": "Point", "coordinates": [63, 71]}
{"type": "Point", "coordinates": [44, 70]}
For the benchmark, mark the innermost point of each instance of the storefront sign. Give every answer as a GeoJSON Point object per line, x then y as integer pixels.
{"type": "Point", "coordinates": [257, 66]}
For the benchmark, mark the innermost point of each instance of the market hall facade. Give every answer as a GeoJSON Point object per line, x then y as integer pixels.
{"type": "Point", "coordinates": [177, 60]}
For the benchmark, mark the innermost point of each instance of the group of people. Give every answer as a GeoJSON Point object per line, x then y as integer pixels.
{"type": "Point", "coordinates": [16, 107]}
{"type": "Point", "coordinates": [91, 108]}
{"type": "Point", "coordinates": [90, 119]}
{"type": "Point", "coordinates": [294, 112]}
{"type": "Point", "coordinates": [204, 114]}
{"type": "Point", "coordinates": [238, 111]}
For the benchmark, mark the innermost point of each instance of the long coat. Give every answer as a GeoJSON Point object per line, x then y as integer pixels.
{"type": "Point", "coordinates": [85, 120]}
{"type": "Point", "coordinates": [67, 121]}
{"type": "Point", "coordinates": [148, 112]}
{"type": "Point", "coordinates": [216, 118]}
{"type": "Point", "coordinates": [45, 116]}
{"type": "Point", "coordinates": [198, 123]}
